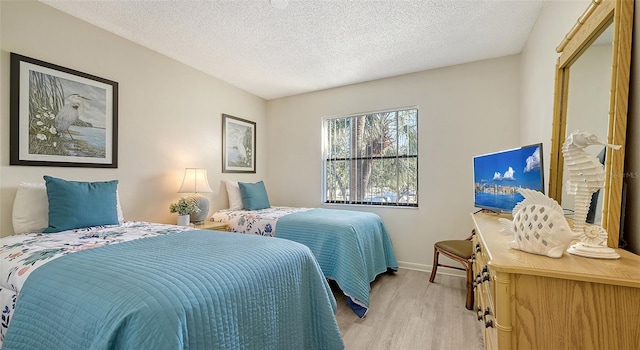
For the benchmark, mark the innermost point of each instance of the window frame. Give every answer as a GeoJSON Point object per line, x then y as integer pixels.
{"type": "Point", "coordinates": [326, 160]}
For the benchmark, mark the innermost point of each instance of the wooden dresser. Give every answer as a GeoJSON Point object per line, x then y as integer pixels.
{"type": "Point", "coordinates": [528, 301]}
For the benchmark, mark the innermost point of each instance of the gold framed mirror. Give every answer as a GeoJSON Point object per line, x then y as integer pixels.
{"type": "Point", "coordinates": [608, 23]}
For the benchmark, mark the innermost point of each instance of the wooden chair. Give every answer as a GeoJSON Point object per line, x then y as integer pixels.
{"type": "Point", "coordinates": [460, 251]}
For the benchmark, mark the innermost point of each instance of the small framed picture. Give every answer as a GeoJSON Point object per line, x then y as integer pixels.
{"type": "Point", "coordinates": [238, 145]}
{"type": "Point", "coordinates": [61, 117]}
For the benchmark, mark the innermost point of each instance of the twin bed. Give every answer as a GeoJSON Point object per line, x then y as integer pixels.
{"type": "Point", "coordinates": [134, 285]}
{"type": "Point", "coordinates": [351, 247]}
{"type": "Point", "coordinates": [151, 286]}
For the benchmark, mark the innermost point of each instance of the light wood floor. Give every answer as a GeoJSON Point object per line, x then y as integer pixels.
{"type": "Point", "coordinates": [407, 312]}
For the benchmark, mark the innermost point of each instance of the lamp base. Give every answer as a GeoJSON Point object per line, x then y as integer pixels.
{"type": "Point", "coordinates": [203, 204]}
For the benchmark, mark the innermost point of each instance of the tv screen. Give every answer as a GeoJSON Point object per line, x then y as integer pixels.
{"type": "Point", "coordinates": [497, 177]}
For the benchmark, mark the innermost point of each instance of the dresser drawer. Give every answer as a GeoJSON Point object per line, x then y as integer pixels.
{"type": "Point", "coordinates": [484, 294]}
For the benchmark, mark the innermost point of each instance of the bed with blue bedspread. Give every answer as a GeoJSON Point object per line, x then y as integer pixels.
{"type": "Point", "coordinates": [152, 286]}
{"type": "Point", "coordinates": [352, 247]}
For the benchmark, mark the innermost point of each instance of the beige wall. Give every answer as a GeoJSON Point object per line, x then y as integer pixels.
{"type": "Point", "coordinates": [169, 114]}
{"type": "Point", "coordinates": [539, 59]}
{"type": "Point", "coordinates": [464, 110]}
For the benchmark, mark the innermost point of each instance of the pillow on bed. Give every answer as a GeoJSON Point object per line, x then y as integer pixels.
{"type": "Point", "coordinates": [233, 192]}
{"type": "Point", "coordinates": [75, 204]}
{"type": "Point", "coordinates": [31, 208]}
{"type": "Point", "coordinates": [254, 195]}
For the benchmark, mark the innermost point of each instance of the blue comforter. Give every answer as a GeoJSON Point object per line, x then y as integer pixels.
{"type": "Point", "coordinates": [352, 248]}
{"type": "Point", "coordinates": [191, 290]}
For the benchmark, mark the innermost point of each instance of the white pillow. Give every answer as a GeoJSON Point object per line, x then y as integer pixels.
{"type": "Point", "coordinates": [31, 208]}
{"type": "Point", "coordinates": [233, 192]}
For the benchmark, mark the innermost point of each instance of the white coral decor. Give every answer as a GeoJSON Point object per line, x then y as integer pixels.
{"type": "Point", "coordinates": [538, 225]}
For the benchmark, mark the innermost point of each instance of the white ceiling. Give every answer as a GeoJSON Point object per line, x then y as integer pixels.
{"type": "Point", "coordinates": [313, 45]}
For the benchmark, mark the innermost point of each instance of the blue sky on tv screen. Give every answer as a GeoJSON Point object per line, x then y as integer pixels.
{"type": "Point", "coordinates": [518, 167]}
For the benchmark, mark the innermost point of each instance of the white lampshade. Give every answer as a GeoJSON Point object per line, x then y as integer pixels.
{"type": "Point", "coordinates": [195, 181]}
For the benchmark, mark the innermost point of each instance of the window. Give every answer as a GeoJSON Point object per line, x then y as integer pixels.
{"type": "Point", "coordinates": [372, 158]}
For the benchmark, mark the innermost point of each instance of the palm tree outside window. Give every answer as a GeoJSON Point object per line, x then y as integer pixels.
{"type": "Point", "coordinates": [372, 158]}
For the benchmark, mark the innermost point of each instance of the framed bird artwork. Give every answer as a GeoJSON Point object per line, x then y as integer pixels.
{"type": "Point", "coordinates": [61, 117]}
{"type": "Point", "coordinates": [238, 145]}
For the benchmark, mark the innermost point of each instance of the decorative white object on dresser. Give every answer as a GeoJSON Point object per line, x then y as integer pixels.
{"type": "Point", "coordinates": [528, 301]}
{"type": "Point", "coordinates": [586, 176]}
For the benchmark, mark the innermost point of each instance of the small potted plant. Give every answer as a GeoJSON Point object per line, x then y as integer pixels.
{"type": "Point", "coordinates": [184, 207]}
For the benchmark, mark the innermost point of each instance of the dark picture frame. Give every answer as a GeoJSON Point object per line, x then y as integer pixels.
{"type": "Point", "coordinates": [238, 145]}
{"type": "Point", "coordinates": [61, 117]}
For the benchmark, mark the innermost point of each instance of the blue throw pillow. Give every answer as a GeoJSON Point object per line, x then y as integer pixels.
{"type": "Point", "coordinates": [74, 204]}
{"type": "Point", "coordinates": [254, 196]}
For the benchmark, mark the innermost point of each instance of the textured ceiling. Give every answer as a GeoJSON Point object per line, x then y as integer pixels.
{"type": "Point", "coordinates": [313, 45]}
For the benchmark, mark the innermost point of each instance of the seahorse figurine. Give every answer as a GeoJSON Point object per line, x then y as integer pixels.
{"type": "Point", "coordinates": [586, 175]}
{"type": "Point", "coordinates": [538, 225]}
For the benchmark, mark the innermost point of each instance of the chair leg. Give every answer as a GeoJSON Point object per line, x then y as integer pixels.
{"type": "Point", "coordinates": [469, 304]}
{"type": "Point", "coordinates": [435, 264]}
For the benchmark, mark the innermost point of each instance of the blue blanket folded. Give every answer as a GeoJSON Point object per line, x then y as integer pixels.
{"type": "Point", "coordinates": [191, 290]}
{"type": "Point", "coordinates": [352, 248]}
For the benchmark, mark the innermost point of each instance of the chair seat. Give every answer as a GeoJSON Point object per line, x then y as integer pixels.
{"type": "Point", "coordinates": [461, 248]}
{"type": "Point", "coordinates": [460, 251]}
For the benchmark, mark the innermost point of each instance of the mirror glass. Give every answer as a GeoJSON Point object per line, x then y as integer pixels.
{"type": "Point", "coordinates": [588, 108]}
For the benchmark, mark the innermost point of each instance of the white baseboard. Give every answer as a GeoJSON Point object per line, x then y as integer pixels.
{"type": "Point", "coordinates": [427, 269]}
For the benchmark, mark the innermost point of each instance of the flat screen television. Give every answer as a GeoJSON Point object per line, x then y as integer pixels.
{"type": "Point", "coordinates": [497, 177]}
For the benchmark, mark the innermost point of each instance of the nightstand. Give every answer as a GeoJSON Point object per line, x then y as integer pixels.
{"type": "Point", "coordinates": [213, 226]}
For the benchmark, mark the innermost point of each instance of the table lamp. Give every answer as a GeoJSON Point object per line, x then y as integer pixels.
{"type": "Point", "coordinates": [195, 181]}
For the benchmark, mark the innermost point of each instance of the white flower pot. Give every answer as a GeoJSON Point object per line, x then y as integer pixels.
{"type": "Point", "coordinates": [183, 220]}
